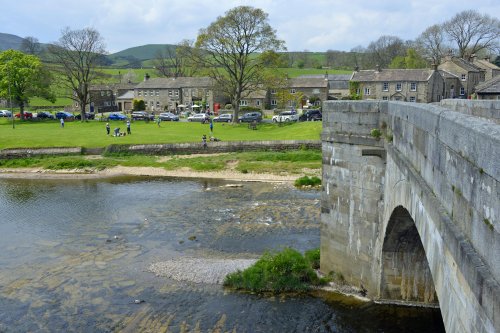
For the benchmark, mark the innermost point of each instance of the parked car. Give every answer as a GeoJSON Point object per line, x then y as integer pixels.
{"type": "Point", "coordinates": [224, 118]}
{"type": "Point", "coordinates": [142, 115]}
{"type": "Point", "coordinates": [311, 115]}
{"type": "Point", "coordinates": [201, 117]}
{"type": "Point", "coordinates": [117, 116]}
{"type": "Point", "coordinates": [285, 117]}
{"type": "Point", "coordinates": [168, 116]}
{"type": "Point", "coordinates": [88, 115]}
{"type": "Point", "coordinates": [64, 115]}
{"type": "Point", "coordinates": [45, 115]}
{"type": "Point", "coordinates": [250, 117]}
{"type": "Point", "coordinates": [27, 115]}
{"type": "Point", "coordinates": [5, 113]}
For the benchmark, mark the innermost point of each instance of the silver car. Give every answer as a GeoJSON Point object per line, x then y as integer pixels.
{"type": "Point", "coordinates": [5, 113]}
{"type": "Point", "coordinates": [168, 116]}
{"type": "Point", "coordinates": [200, 117]}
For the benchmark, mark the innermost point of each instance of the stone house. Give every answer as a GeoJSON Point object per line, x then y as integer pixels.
{"type": "Point", "coordinates": [338, 84]}
{"type": "Point", "coordinates": [313, 89]}
{"type": "Point", "coordinates": [491, 70]}
{"type": "Point", "coordinates": [256, 99]}
{"type": "Point", "coordinates": [469, 74]}
{"type": "Point", "coordinates": [104, 97]}
{"type": "Point", "coordinates": [453, 86]}
{"type": "Point", "coordinates": [489, 89]}
{"type": "Point", "coordinates": [160, 94]}
{"type": "Point", "coordinates": [410, 85]}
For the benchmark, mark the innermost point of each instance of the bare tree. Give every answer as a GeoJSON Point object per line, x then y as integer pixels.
{"type": "Point", "coordinates": [473, 32]}
{"type": "Point", "coordinates": [384, 49]}
{"type": "Point", "coordinates": [431, 43]}
{"type": "Point", "coordinates": [176, 61]}
{"type": "Point", "coordinates": [31, 45]}
{"type": "Point", "coordinates": [235, 50]}
{"type": "Point", "coordinates": [77, 53]}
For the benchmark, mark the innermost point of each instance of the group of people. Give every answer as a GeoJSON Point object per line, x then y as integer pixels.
{"type": "Point", "coordinates": [116, 131]}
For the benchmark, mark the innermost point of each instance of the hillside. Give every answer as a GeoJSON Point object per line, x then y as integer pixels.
{"type": "Point", "coordinates": [144, 52]}
{"type": "Point", "coordinates": [8, 41]}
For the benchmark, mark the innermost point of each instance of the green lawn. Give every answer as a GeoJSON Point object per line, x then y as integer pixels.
{"type": "Point", "coordinates": [92, 134]}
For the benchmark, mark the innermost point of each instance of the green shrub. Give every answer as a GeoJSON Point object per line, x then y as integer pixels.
{"type": "Point", "coordinates": [313, 257]}
{"type": "Point", "coordinates": [376, 133]}
{"type": "Point", "coordinates": [307, 181]}
{"type": "Point", "coordinates": [283, 271]}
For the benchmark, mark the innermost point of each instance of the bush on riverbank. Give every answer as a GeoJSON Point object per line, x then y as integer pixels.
{"type": "Point", "coordinates": [283, 271]}
{"type": "Point", "coordinates": [307, 181]}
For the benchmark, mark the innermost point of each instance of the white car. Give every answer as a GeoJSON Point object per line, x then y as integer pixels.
{"type": "Point", "coordinates": [201, 117]}
{"type": "Point", "coordinates": [285, 117]}
{"type": "Point", "coordinates": [224, 118]}
{"type": "Point", "coordinates": [5, 113]}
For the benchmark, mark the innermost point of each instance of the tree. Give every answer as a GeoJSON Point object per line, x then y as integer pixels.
{"type": "Point", "coordinates": [431, 43]}
{"type": "Point", "coordinates": [176, 61]}
{"type": "Point", "coordinates": [31, 45]}
{"type": "Point", "coordinates": [473, 32]}
{"type": "Point", "coordinates": [412, 60]}
{"type": "Point", "coordinates": [78, 53]}
{"type": "Point", "coordinates": [384, 49]}
{"type": "Point", "coordinates": [138, 105]}
{"type": "Point", "coordinates": [234, 50]}
{"type": "Point", "coordinates": [23, 76]}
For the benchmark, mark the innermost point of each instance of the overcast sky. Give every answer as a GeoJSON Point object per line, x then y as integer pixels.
{"type": "Point", "coordinates": [314, 25]}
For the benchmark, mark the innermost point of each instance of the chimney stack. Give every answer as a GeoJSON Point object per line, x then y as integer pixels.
{"type": "Point", "coordinates": [146, 77]}
{"type": "Point", "coordinates": [378, 68]}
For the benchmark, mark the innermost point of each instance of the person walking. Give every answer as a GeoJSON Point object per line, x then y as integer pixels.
{"type": "Point", "coordinates": [128, 127]}
{"type": "Point", "coordinates": [158, 121]}
{"type": "Point", "coordinates": [211, 127]}
{"type": "Point", "coordinates": [62, 122]}
{"type": "Point", "coordinates": [107, 128]}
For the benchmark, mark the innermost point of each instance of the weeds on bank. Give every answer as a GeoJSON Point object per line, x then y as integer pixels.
{"type": "Point", "coordinates": [307, 181]}
{"type": "Point", "coordinates": [285, 271]}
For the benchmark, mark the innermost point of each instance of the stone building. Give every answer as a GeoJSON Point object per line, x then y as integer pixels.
{"type": "Point", "coordinates": [489, 89]}
{"type": "Point", "coordinates": [469, 74]}
{"type": "Point", "coordinates": [104, 97]}
{"type": "Point", "coordinates": [160, 94]}
{"type": "Point", "coordinates": [338, 84]}
{"type": "Point", "coordinates": [410, 85]}
{"type": "Point", "coordinates": [490, 69]}
{"type": "Point", "coordinates": [313, 90]}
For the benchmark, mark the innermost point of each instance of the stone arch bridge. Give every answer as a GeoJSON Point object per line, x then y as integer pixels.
{"type": "Point", "coordinates": [411, 204]}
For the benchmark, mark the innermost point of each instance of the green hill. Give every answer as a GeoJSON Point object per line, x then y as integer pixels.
{"type": "Point", "coordinates": [8, 41]}
{"type": "Point", "coordinates": [144, 52]}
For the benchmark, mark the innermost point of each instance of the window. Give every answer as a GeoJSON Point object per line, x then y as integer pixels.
{"type": "Point", "coordinates": [413, 99]}
{"type": "Point", "coordinates": [292, 91]}
{"type": "Point", "coordinates": [102, 93]}
{"type": "Point", "coordinates": [257, 102]}
{"type": "Point", "coordinates": [367, 91]}
{"type": "Point", "coordinates": [108, 93]}
{"type": "Point", "coordinates": [170, 93]}
{"type": "Point", "coordinates": [243, 102]}
{"type": "Point", "coordinates": [358, 91]}
{"type": "Point", "coordinates": [274, 102]}
{"type": "Point", "coordinates": [157, 93]}
{"type": "Point", "coordinates": [413, 86]}
{"type": "Point", "coordinates": [152, 103]}
{"type": "Point", "coordinates": [385, 86]}
{"type": "Point", "coordinates": [145, 92]}
{"type": "Point", "coordinates": [139, 93]}
{"type": "Point", "coordinates": [157, 104]}
{"type": "Point", "coordinates": [273, 91]}
{"type": "Point", "coordinates": [384, 98]}
{"type": "Point", "coordinates": [399, 86]}
{"type": "Point", "coordinates": [462, 91]}
{"type": "Point", "coordinates": [176, 93]}
{"type": "Point", "coordinates": [464, 77]}
{"type": "Point", "coordinates": [107, 103]}
{"type": "Point", "coordinates": [315, 91]}
{"type": "Point", "coordinates": [291, 103]}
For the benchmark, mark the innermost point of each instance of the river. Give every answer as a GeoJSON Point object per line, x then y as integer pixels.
{"type": "Point", "coordinates": [75, 257]}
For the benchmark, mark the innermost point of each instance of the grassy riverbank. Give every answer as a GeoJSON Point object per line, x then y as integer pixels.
{"type": "Point", "coordinates": [92, 134]}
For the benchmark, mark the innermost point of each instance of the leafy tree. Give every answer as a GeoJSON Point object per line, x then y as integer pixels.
{"type": "Point", "coordinates": [78, 53]}
{"type": "Point", "coordinates": [473, 32]}
{"type": "Point", "coordinates": [497, 61]}
{"type": "Point", "coordinates": [412, 60]}
{"type": "Point", "coordinates": [284, 97]}
{"type": "Point", "coordinates": [138, 105]}
{"type": "Point", "coordinates": [384, 49]}
{"type": "Point", "coordinates": [233, 51]}
{"type": "Point", "coordinates": [23, 76]}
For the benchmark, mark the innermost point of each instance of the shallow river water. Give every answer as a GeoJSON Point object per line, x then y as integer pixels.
{"type": "Point", "coordinates": [74, 257]}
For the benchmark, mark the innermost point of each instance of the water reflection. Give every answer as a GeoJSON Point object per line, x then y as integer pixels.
{"type": "Point", "coordinates": [74, 258]}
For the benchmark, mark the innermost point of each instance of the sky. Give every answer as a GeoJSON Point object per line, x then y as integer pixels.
{"type": "Point", "coordinates": [313, 25]}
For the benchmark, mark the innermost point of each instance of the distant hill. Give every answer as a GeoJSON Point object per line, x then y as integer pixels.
{"type": "Point", "coordinates": [144, 52]}
{"type": "Point", "coordinates": [8, 41]}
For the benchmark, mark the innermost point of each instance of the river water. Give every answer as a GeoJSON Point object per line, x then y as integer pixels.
{"type": "Point", "coordinates": [74, 257]}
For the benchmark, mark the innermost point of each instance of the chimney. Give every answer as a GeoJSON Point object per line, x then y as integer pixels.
{"type": "Point", "coordinates": [487, 59]}
{"type": "Point", "coordinates": [326, 76]}
{"type": "Point", "coordinates": [434, 66]}
{"type": "Point", "coordinates": [378, 68]}
{"type": "Point", "coordinates": [356, 68]}
{"type": "Point", "coordinates": [146, 77]}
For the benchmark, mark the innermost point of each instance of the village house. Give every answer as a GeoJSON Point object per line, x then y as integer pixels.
{"type": "Point", "coordinates": [161, 94]}
{"type": "Point", "coordinates": [254, 99]}
{"type": "Point", "coordinates": [490, 69]}
{"type": "Point", "coordinates": [314, 91]}
{"type": "Point", "coordinates": [410, 85]}
{"type": "Point", "coordinates": [338, 84]}
{"type": "Point", "coordinates": [469, 76]}
{"type": "Point", "coordinates": [104, 97]}
{"type": "Point", "coordinates": [489, 89]}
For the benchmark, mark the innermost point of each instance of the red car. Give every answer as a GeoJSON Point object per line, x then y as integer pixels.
{"type": "Point", "coordinates": [27, 115]}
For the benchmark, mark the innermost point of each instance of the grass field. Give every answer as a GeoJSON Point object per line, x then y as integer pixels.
{"type": "Point", "coordinates": [92, 134]}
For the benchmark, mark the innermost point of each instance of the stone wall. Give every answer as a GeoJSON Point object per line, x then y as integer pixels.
{"type": "Point", "coordinates": [479, 108]}
{"type": "Point", "coordinates": [443, 169]}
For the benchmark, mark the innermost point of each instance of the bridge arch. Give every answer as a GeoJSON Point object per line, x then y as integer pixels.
{"type": "Point", "coordinates": [405, 270]}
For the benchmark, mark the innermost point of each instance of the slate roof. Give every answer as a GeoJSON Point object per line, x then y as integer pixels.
{"type": "Point", "coordinates": [336, 81]}
{"type": "Point", "coordinates": [180, 82]}
{"type": "Point", "coordinates": [113, 86]}
{"type": "Point", "coordinates": [307, 82]}
{"type": "Point", "coordinates": [492, 86]}
{"type": "Point", "coordinates": [388, 75]}
{"type": "Point", "coordinates": [447, 75]}
{"type": "Point", "coordinates": [128, 95]}
{"type": "Point", "coordinates": [468, 66]}
{"type": "Point", "coordinates": [485, 64]}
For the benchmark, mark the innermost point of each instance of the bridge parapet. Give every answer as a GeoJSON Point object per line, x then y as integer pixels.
{"type": "Point", "coordinates": [429, 182]}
